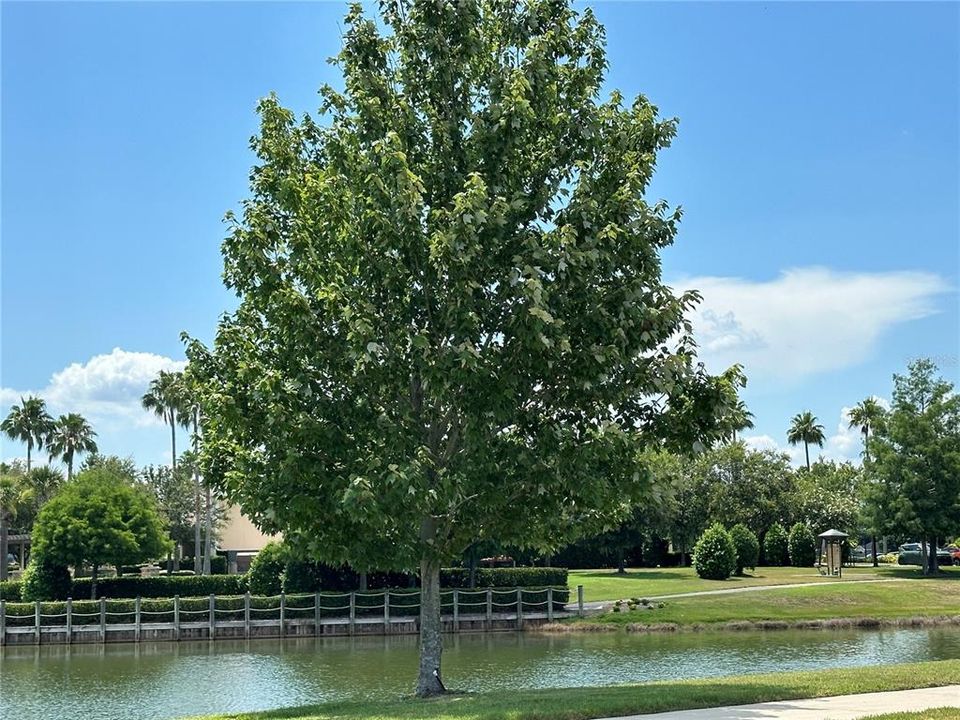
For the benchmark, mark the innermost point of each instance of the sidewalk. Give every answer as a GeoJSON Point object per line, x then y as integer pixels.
{"type": "Point", "coordinates": [842, 707]}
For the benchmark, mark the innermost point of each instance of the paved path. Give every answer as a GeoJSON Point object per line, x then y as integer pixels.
{"type": "Point", "coordinates": [843, 707]}
{"type": "Point", "coordinates": [731, 591]}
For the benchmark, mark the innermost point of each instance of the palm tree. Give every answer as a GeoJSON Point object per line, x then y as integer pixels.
{"type": "Point", "coordinates": [29, 423]}
{"type": "Point", "coordinates": [740, 419]}
{"type": "Point", "coordinates": [165, 399]}
{"type": "Point", "coordinates": [805, 429]}
{"type": "Point", "coordinates": [190, 417]}
{"type": "Point", "coordinates": [12, 495]}
{"type": "Point", "coordinates": [866, 415]}
{"type": "Point", "coordinates": [71, 435]}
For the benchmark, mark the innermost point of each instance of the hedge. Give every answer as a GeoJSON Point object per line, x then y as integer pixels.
{"type": "Point", "coordinates": [166, 586]}
{"type": "Point", "coordinates": [10, 590]}
{"type": "Point", "coordinates": [715, 555]}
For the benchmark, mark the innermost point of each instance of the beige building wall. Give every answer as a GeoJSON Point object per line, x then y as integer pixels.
{"type": "Point", "coordinates": [240, 535]}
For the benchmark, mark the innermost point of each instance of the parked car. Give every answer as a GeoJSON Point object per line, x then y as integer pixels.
{"type": "Point", "coordinates": [910, 555]}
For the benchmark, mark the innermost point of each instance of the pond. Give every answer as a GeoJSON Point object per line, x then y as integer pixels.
{"type": "Point", "coordinates": [168, 680]}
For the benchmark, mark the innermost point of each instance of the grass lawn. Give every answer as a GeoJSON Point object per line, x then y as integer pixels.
{"type": "Point", "coordinates": [935, 714]}
{"type": "Point", "coordinates": [639, 583]}
{"type": "Point", "coordinates": [581, 703]}
{"type": "Point", "coordinates": [850, 600]}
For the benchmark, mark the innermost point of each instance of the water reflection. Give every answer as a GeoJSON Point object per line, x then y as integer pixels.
{"type": "Point", "coordinates": [159, 681]}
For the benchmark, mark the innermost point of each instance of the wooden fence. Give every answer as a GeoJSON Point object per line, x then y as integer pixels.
{"type": "Point", "coordinates": [246, 616]}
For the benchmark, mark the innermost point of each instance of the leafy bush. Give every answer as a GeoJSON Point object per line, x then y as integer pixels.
{"type": "Point", "coordinates": [775, 546]}
{"type": "Point", "coordinates": [747, 547]}
{"type": "Point", "coordinates": [265, 574]}
{"type": "Point", "coordinates": [802, 545]}
{"type": "Point", "coordinates": [10, 590]}
{"type": "Point", "coordinates": [715, 555]}
{"type": "Point", "coordinates": [44, 580]}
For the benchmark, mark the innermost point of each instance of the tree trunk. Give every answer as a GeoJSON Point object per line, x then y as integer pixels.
{"type": "Point", "coordinates": [924, 560]}
{"type": "Point", "coordinates": [873, 540]}
{"type": "Point", "coordinates": [93, 582]}
{"type": "Point", "coordinates": [196, 505]}
{"type": "Point", "coordinates": [173, 443]}
{"type": "Point", "coordinates": [69, 467]}
{"type": "Point", "coordinates": [431, 641]}
{"type": "Point", "coordinates": [806, 450]}
{"type": "Point", "coordinates": [363, 582]}
{"type": "Point", "coordinates": [621, 568]}
{"type": "Point", "coordinates": [3, 547]}
{"type": "Point", "coordinates": [119, 568]}
{"type": "Point", "coordinates": [29, 449]}
{"type": "Point", "coordinates": [208, 534]}
{"type": "Point", "coordinates": [473, 572]}
{"type": "Point", "coordinates": [177, 554]}
{"type": "Point", "coordinates": [934, 564]}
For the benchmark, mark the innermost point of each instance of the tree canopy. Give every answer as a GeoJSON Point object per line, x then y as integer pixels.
{"type": "Point", "coordinates": [98, 518]}
{"type": "Point", "coordinates": [452, 323]}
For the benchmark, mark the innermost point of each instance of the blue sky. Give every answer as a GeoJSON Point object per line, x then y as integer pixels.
{"type": "Point", "coordinates": [817, 162]}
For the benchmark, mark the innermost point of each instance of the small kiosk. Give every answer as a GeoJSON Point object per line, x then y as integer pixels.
{"type": "Point", "coordinates": [830, 557]}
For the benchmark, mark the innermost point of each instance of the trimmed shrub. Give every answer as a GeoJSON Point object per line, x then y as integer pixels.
{"type": "Point", "coordinates": [747, 547]}
{"type": "Point", "coordinates": [43, 580]}
{"type": "Point", "coordinates": [715, 555]}
{"type": "Point", "coordinates": [265, 574]}
{"type": "Point", "coordinates": [802, 545]}
{"type": "Point", "coordinates": [775, 546]}
{"type": "Point", "coordinates": [10, 590]}
{"type": "Point", "coordinates": [162, 586]}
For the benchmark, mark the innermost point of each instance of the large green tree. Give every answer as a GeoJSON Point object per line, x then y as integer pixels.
{"type": "Point", "coordinates": [805, 429]}
{"type": "Point", "coordinates": [917, 459]}
{"type": "Point", "coordinates": [71, 435]}
{"type": "Point", "coordinates": [14, 496]}
{"type": "Point", "coordinates": [99, 518]}
{"type": "Point", "coordinates": [29, 423]}
{"type": "Point", "coordinates": [451, 324]}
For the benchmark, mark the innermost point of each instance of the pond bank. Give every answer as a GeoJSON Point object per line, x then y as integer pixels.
{"type": "Point", "coordinates": [841, 623]}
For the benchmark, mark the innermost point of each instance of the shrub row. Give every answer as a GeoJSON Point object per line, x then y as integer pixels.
{"type": "Point", "coordinates": [163, 586]}
{"type": "Point", "coordinates": [403, 603]}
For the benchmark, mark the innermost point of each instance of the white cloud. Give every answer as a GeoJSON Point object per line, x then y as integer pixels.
{"type": "Point", "coordinates": [106, 389]}
{"type": "Point", "coordinates": [807, 320]}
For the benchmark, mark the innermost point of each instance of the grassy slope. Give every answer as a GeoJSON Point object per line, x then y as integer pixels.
{"type": "Point", "coordinates": [879, 600]}
{"type": "Point", "coordinates": [608, 585]}
{"type": "Point", "coordinates": [581, 703]}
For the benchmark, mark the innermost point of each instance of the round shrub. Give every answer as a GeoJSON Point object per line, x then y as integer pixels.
{"type": "Point", "coordinates": [775, 546]}
{"type": "Point", "coordinates": [802, 545]}
{"type": "Point", "coordinates": [44, 580]}
{"type": "Point", "coordinates": [747, 547]}
{"type": "Point", "coordinates": [715, 556]}
{"type": "Point", "coordinates": [265, 574]}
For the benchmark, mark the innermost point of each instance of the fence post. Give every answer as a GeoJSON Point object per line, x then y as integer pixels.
{"type": "Point", "coordinates": [353, 612]}
{"type": "Point", "coordinates": [213, 617]}
{"type": "Point", "coordinates": [456, 610]}
{"type": "Point", "coordinates": [519, 608]}
{"type": "Point", "coordinates": [580, 600]}
{"type": "Point", "coordinates": [246, 615]}
{"type": "Point", "coordinates": [550, 604]}
{"type": "Point", "coordinates": [136, 616]}
{"type": "Point", "coordinates": [103, 620]}
{"type": "Point", "coordinates": [3, 622]}
{"type": "Point", "coordinates": [283, 612]}
{"type": "Point", "coordinates": [36, 625]}
{"type": "Point", "coordinates": [69, 620]}
{"type": "Point", "coordinates": [386, 611]}
{"type": "Point", "coordinates": [176, 617]}
{"type": "Point", "coordinates": [316, 614]}
{"type": "Point", "coordinates": [489, 608]}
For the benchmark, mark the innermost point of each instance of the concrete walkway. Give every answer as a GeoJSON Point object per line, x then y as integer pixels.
{"type": "Point", "coordinates": [843, 707]}
{"type": "Point", "coordinates": [600, 605]}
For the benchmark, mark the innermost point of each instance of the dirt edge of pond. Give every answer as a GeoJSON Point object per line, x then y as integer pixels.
{"type": "Point", "coordinates": [864, 623]}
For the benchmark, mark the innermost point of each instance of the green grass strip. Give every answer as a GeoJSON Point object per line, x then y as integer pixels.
{"type": "Point", "coordinates": [583, 703]}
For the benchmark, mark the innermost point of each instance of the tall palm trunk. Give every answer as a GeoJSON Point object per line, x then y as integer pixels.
{"type": "Point", "coordinates": [806, 450]}
{"type": "Point", "coordinates": [69, 466]}
{"type": "Point", "coordinates": [173, 441]}
{"type": "Point", "coordinates": [197, 559]}
{"type": "Point", "coordinates": [208, 534]}
{"type": "Point", "coordinates": [29, 449]}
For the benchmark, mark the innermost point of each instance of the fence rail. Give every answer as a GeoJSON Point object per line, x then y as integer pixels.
{"type": "Point", "coordinates": [244, 616]}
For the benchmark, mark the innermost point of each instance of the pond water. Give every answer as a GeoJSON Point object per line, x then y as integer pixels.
{"type": "Point", "coordinates": [168, 680]}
